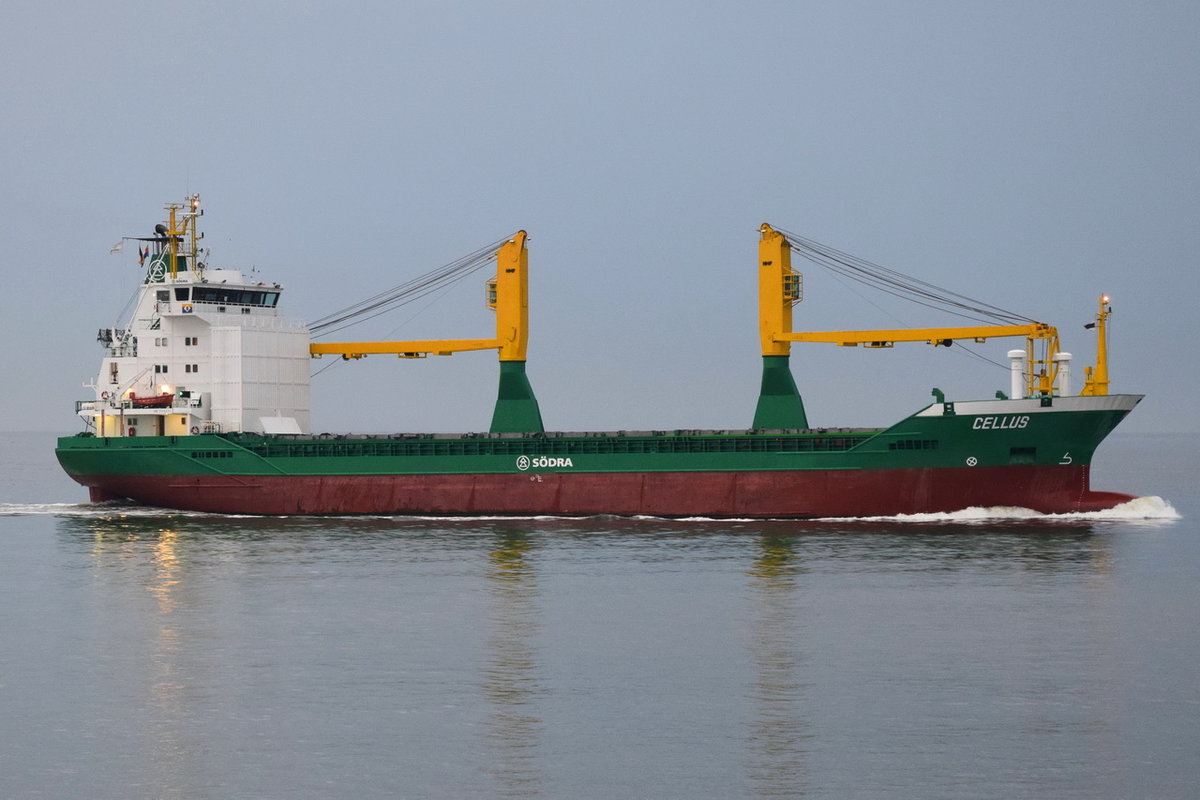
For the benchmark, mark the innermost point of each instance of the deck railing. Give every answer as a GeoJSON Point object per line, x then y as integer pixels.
{"type": "Point", "coordinates": [125, 404]}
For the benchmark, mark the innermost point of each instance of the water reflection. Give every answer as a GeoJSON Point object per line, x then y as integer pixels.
{"type": "Point", "coordinates": [863, 546]}
{"type": "Point", "coordinates": [169, 671]}
{"type": "Point", "coordinates": [229, 538]}
{"type": "Point", "coordinates": [779, 729]}
{"type": "Point", "coordinates": [183, 635]}
{"type": "Point", "coordinates": [510, 676]}
{"type": "Point", "coordinates": [166, 570]}
{"type": "Point", "coordinates": [149, 647]}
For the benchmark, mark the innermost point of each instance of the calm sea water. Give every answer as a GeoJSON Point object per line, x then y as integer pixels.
{"type": "Point", "coordinates": [150, 654]}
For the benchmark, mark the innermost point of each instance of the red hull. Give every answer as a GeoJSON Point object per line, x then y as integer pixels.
{"type": "Point", "coordinates": [800, 494]}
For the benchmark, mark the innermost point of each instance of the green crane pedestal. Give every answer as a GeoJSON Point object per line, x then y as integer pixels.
{"type": "Point", "coordinates": [516, 408]}
{"type": "Point", "coordinates": [779, 403]}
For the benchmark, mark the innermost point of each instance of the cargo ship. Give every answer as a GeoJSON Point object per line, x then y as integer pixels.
{"type": "Point", "coordinates": [202, 403]}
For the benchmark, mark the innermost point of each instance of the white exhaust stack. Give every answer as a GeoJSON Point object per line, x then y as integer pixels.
{"type": "Point", "coordinates": [1017, 360]}
{"type": "Point", "coordinates": [1063, 360]}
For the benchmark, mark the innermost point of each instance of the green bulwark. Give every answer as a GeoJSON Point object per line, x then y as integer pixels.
{"type": "Point", "coordinates": [779, 403]}
{"type": "Point", "coordinates": [516, 407]}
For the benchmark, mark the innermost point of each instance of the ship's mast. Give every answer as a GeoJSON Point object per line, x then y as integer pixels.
{"type": "Point", "coordinates": [1096, 378]}
{"type": "Point", "coordinates": [180, 226]}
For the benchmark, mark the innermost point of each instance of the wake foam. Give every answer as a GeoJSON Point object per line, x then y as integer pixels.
{"type": "Point", "coordinates": [1139, 509]}
{"type": "Point", "coordinates": [89, 510]}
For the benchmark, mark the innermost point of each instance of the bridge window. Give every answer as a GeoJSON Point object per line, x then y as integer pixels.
{"type": "Point", "coordinates": [234, 296]}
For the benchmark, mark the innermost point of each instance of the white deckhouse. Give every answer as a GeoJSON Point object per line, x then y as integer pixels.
{"type": "Point", "coordinates": [205, 351]}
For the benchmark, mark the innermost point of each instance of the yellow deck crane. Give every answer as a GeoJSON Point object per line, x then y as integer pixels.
{"type": "Point", "coordinates": [508, 295]}
{"type": "Point", "coordinates": [780, 288]}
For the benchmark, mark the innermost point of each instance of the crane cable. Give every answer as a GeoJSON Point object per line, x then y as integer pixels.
{"type": "Point", "coordinates": [407, 292]}
{"type": "Point", "coordinates": [898, 284]}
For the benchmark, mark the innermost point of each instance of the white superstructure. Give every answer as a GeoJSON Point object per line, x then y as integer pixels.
{"type": "Point", "coordinates": [205, 351]}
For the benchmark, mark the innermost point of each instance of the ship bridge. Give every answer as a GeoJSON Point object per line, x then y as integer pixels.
{"type": "Point", "coordinates": [205, 350]}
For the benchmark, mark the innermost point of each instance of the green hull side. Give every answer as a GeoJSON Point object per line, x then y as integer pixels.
{"type": "Point", "coordinates": [993, 433]}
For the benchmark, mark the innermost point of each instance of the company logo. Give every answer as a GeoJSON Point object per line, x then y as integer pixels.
{"type": "Point", "coordinates": [186, 308]}
{"type": "Point", "coordinates": [541, 462]}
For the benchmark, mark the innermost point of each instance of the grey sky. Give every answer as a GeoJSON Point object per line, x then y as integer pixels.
{"type": "Point", "coordinates": [1030, 154]}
